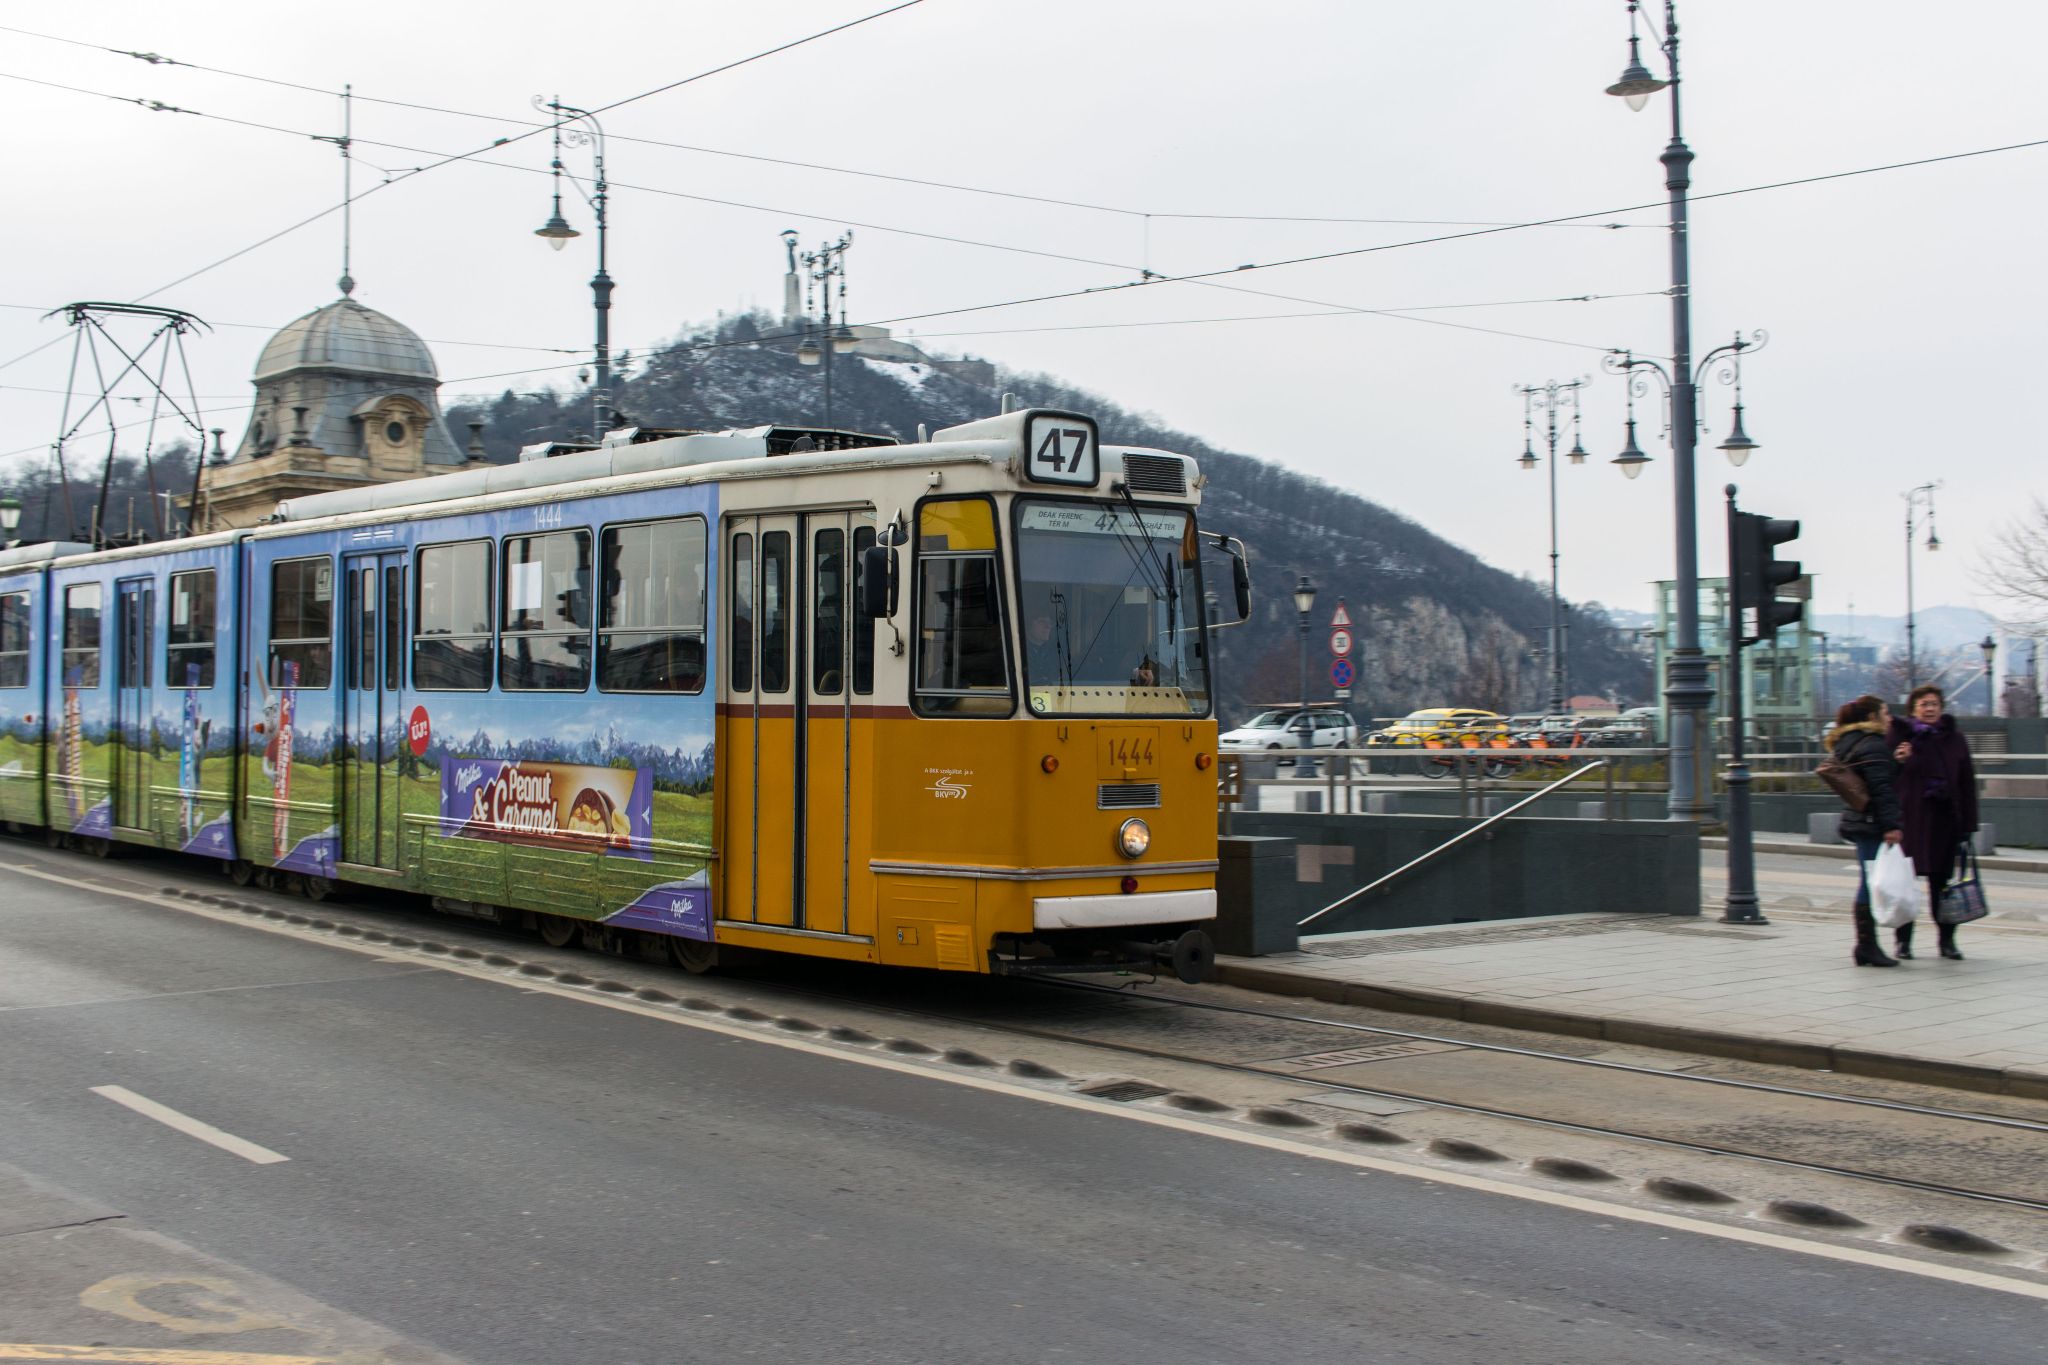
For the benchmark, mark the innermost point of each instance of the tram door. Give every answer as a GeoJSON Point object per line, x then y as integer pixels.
{"type": "Point", "coordinates": [373, 726]}
{"type": "Point", "coordinates": [133, 750]}
{"type": "Point", "coordinates": [833, 680]}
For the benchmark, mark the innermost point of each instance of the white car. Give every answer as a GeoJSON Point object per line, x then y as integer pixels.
{"type": "Point", "coordinates": [1292, 727]}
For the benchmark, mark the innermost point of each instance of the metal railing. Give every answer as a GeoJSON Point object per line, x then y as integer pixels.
{"type": "Point", "coordinates": [1452, 842]}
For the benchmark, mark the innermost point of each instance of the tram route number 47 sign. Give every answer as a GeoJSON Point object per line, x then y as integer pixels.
{"type": "Point", "coordinates": [1059, 448]}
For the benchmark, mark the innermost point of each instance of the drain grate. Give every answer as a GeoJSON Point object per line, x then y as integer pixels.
{"type": "Point", "coordinates": [1354, 1056]}
{"type": "Point", "coordinates": [1123, 1092]}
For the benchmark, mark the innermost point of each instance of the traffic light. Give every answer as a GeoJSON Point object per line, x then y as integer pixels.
{"type": "Point", "coordinates": [1758, 575]}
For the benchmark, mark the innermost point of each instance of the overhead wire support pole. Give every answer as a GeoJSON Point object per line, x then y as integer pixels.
{"type": "Point", "coordinates": [1550, 397]}
{"type": "Point", "coordinates": [557, 232]}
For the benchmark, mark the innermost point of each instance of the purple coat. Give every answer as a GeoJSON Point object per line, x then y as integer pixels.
{"type": "Point", "coordinates": [1937, 790]}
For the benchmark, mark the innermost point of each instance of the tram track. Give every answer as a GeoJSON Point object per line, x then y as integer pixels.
{"type": "Point", "coordinates": [1448, 1095]}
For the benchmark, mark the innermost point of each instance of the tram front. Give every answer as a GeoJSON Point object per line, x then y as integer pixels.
{"type": "Point", "coordinates": [1102, 854]}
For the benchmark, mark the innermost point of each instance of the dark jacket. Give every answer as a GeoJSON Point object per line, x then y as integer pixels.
{"type": "Point", "coordinates": [1937, 789]}
{"type": "Point", "coordinates": [1863, 746]}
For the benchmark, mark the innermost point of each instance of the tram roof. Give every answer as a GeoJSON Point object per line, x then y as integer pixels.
{"type": "Point", "coordinates": [40, 553]}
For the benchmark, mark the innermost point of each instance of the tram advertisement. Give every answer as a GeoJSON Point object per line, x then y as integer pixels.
{"type": "Point", "coordinates": [551, 804]}
{"type": "Point", "coordinates": [281, 764]}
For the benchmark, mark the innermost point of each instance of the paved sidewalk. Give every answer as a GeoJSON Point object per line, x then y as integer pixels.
{"type": "Point", "coordinates": [1785, 992]}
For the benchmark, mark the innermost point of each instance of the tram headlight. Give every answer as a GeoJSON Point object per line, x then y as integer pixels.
{"type": "Point", "coordinates": [1133, 837]}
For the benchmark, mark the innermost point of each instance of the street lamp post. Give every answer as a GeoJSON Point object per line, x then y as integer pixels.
{"type": "Point", "coordinates": [1549, 397]}
{"type": "Point", "coordinates": [1916, 498]}
{"type": "Point", "coordinates": [1304, 602]}
{"type": "Point", "coordinates": [821, 267]}
{"type": "Point", "coordinates": [1989, 645]}
{"type": "Point", "coordinates": [557, 233]}
{"type": "Point", "coordinates": [1687, 688]}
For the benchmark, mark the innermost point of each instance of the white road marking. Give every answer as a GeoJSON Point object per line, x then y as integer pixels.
{"type": "Point", "coordinates": [1856, 1255]}
{"type": "Point", "coordinates": [189, 1126]}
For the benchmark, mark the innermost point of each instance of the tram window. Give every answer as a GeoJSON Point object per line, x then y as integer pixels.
{"type": "Point", "coordinates": [742, 613]}
{"type": "Point", "coordinates": [394, 630]}
{"type": "Point", "coordinates": [775, 611]}
{"type": "Point", "coordinates": [863, 624]}
{"type": "Point", "coordinates": [14, 639]}
{"type": "Point", "coordinates": [650, 633]}
{"type": "Point", "coordinates": [190, 644]}
{"type": "Point", "coordinates": [82, 635]}
{"type": "Point", "coordinates": [363, 600]}
{"type": "Point", "coordinates": [961, 669]}
{"type": "Point", "coordinates": [302, 621]}
{"type": "Point", "coordinates": [828, 612]}
{"type": "Point", "coordinates": [451, 643]}
{"type": "Point", "coordinates": [544, 636]}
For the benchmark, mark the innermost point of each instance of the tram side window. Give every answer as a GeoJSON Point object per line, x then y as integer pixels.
{"type": "Point", "coordinates": [451, 642]}
{"type": "Point", "coordinates": [863, 624]}
{"type": "Point", "coordinates": [190, 644]}
{"type": "Point", "coordinates": [302, 621]}
{"type": "Point", "coordinates": [650, 634]}
{"type": "Point", "coordinates": [14, 639]}
{"type": "Point", "coordinates": [742, 627]}
{"type": "Point", "coordinates": [82, 635]}
{"type": "Point", "coordinates": [775, 611]}
{"type": "Point", "coordinates": [828, 612]}
{"type": "Point", "coordinates": [544, 636]}
{"type": "Point", "coordinates": [961, 668]}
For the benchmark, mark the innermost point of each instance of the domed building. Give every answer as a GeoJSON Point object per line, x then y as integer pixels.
{"type": "Point", "coordinates": [344, 396]}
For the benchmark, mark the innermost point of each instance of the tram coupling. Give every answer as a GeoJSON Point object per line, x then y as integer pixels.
{"type": "Point", "coordinates": [1190, 958]}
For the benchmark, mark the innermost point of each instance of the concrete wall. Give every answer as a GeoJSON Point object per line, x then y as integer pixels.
{"type": "Point", "coordinates": [1518, 868]}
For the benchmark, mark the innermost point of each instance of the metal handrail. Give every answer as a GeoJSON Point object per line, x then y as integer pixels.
{"type": "Point", "coordinates": [1453, 841]}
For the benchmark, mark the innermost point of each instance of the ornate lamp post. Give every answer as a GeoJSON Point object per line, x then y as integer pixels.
{"type": "Point", "coordinates": [1916, 498]}
{"type": "Point", "coordinates": [1990, 647]}
{"type": "Point", "coordinates": [1304, 602]}
{"type": "Point", "coordinates": [1687, 689]}
{"type": "Point", "coordinates": [557, 233]}
{"type": "Point", "coordinates": [1549, 398]}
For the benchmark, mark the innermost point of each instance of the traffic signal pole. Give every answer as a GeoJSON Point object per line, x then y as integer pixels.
{"type": "Point", "coordinates": [1741, 906]}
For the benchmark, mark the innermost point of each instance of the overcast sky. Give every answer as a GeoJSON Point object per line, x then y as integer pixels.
{"type": "Point", "coordinates": [1904, 307]}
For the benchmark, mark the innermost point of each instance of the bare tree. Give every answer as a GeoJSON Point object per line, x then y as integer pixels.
{"type": "Point", "coordinates": [2014, 569]}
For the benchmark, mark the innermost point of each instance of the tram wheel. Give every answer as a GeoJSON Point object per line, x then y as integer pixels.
{"type": "Point", "coordinates": [694, 955]}
{"type": "Point", "coordinates": [240, 871]}
{"type": "Point", "coordinates": [557, 931]}
{"type": "Point", "coordinates": [53, 836]}
{"type": "Point", "coordinates": [95, 847]}
{"type": "Point", "coordinates": [317, 889]}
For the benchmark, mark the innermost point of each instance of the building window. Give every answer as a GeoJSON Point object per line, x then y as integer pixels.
{"type": "Point", "coordinates": [14, 639]}
{"type": "Point", "coordinates": [302, 621]}
{"type": "Point", "coordinates": [451, 643]}
{"type": "Point", "coordinates": [651, 633]}
{"type": "Point", "coordinates": [190, 643]}
{"type": "Point", "coordinates": [544, 639]}
{"type": "Point", "coordinates": [394, 432]}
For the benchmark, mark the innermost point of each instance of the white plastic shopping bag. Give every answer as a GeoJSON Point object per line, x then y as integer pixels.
{"type": "Point", "coordinates": [1894, 890]}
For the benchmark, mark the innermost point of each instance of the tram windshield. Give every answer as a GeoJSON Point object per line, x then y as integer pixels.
{"type": "Point", "coordinates": [1110, 599]}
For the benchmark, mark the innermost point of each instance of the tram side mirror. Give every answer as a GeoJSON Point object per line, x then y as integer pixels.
{"type": "Point", "coordinates": [1241, 587]}
{"type": "Point", "coordinates": [878, 581]}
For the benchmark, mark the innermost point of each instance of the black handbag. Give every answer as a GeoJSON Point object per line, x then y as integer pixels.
{"type": "Point", "coordinates": [1962, 900]}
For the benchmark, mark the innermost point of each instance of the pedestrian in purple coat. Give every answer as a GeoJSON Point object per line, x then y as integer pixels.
{"type": "Point", "coordinates": [1937, 790]}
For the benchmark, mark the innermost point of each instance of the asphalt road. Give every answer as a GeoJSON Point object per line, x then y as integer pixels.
{"type": "Point", "coordinates": [510, 1175]}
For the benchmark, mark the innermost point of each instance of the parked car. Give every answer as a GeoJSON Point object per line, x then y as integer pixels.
{"type": "Point", "coordinates": [1437, 727]}
{"type": "Point", "coordinates": [1292, 727]}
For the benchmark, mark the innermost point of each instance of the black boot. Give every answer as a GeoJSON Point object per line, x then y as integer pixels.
{"type": "Point", "coordinates": [1903, 937]}
{"type": "Point", "coordinates": [1947, 935]}
{"type": "Point", "coordinates": [1867, 953]}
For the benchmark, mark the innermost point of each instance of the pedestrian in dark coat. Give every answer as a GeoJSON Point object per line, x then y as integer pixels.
{"type": "Point", "coordinates": [1937, 786]}
{"type": "Point", "coordinates": [1859, 741]}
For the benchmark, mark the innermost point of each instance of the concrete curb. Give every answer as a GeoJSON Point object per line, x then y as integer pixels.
{"type": "Point", "coordinates": [2019, 1081]}
{"type": "Point", "coordinates": [1843, 852]}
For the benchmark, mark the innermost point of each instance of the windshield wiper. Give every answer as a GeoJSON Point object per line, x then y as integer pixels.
{"type": "Point", "coordinates": [1168, 580]}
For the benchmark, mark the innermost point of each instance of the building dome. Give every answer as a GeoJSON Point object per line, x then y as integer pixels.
{"type": "Point", "coordinates": [347, 337]}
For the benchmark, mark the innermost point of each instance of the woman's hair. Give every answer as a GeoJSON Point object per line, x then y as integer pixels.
{"type": "Point", "coordinates": [1863, 708]}
{"type": "Point", "coordinates": [1924, 690]}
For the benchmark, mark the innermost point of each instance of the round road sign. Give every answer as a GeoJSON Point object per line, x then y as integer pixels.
{"type": "Point", "coordinates": [1340, 642]}
{"type": "Point", "coordinates": [1340, 673]}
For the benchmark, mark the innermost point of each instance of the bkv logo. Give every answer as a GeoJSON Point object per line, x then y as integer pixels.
{"type": "Point", "coordinates": [947, 788]}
